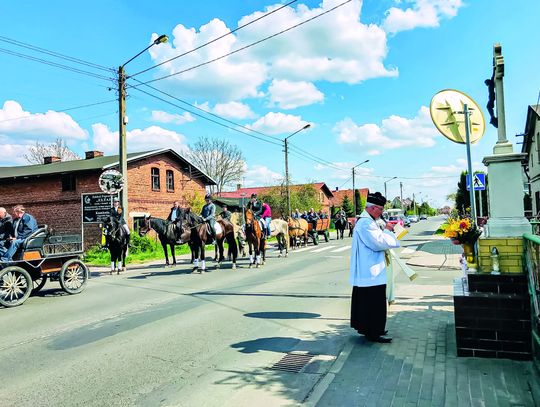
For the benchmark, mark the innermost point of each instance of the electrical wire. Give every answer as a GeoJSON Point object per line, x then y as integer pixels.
{"type": "Point", "coordinates": [55, 64]}
{"type": "Point", "coordinates": [206, 118]}
{"type": "Point", "coordinates": [215, 39]}
{"type": "Point", "coordinates": [247, 46]}
{"type": "Point", "coordinates": [54, 54]}
{"type": "Point", "coordinates": [63, 110]}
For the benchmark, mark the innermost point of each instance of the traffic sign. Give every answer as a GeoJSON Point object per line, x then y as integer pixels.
{"type": "Point", "coordinates": [479, 182]}
{"type": "Point", "coordinates": [96, 207]}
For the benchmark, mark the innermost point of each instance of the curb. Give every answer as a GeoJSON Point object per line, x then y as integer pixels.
{"type": "Point", "coordinates": [322, 385]}
{"type": "Point", "coordinates": [432, 266]}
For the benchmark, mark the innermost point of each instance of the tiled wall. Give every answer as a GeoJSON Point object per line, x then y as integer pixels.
{"type": "Point", "coordinates": [510, 254]}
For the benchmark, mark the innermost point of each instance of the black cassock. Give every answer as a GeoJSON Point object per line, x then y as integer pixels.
{"type": "Point", "coordinates": [368, 310]}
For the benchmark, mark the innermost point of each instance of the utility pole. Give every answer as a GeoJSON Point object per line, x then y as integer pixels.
{"type": "Point", "coordinates": [287, 177]}
{"type": "Point", "coordinates": [122, 151]}
{"type": "Point", "coordinates": [353, 187]}
{"type": "Point", "coordinates": [469, 162]}
{"type": "Point", "coordinates": [414, 203]}
{"type": "Point", "coordinates": [401, 194]}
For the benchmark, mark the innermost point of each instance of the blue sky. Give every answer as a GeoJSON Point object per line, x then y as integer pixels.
{"type": "Point", "coordinates": [362, 75]}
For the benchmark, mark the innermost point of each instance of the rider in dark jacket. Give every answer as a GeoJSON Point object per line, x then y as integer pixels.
{"type": "Point", "coordinates": [208, 213]}
{"type": "Point", "coordinates": [175, 217]}
{"type": "Point", "coordinates": [6, 231]}
{"type": "Point", "coordinates": [256, 206]}
{"type": "Point", "coordinates": [23, 226]}
{"type": "Point", "coordinates": [225, 213]}
{"type": "Point", "coordinates": [117, 213]}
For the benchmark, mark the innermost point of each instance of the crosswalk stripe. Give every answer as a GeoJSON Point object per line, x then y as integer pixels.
{"type": "Point", "coordinates": [341, 249]}
{"type": "Point", "coordinates": [303, 249]}
{"type": "Point", "coordinates": [323, 249]}
{"type": "Point", "coordinates": [409, 250]}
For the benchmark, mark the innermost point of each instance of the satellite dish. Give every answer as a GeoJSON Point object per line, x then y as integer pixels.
{"type": "Point", "coordinates": [446, 109]}
{"type": "Point", "coordinates": [111, 182]}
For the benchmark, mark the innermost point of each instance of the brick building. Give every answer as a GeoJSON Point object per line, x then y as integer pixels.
{"type": "Point", "coordinates": [52, 191]}
{"type": "Point", "coordinates": [340, 194]}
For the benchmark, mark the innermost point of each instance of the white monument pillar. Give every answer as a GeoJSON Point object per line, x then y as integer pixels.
{"type": "Point", "coordinates": [505, 186]}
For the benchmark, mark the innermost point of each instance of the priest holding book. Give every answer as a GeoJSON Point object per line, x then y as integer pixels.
{"type": "Point", "coordinates": [368, 271]}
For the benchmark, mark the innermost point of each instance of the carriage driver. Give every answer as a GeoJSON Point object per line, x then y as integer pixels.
{"type": "Point", "coordinates": [6, 230]}
{"type": "Point", "coordinates": [225, 213]}
{"type": "Point", "coordinates": [117, 213]}
{"type": "Point", "coordinates": [208, 213]}
{"type": "Point", "coordinates": [24, 225]}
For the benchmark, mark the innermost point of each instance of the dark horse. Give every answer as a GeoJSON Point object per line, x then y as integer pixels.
{"type": "Point", "coordinates": [118, 243]}
{"type": "Point", "coordinates": [166, 235]}
{"type": "Point", "coordinates": [199, 237]}
{"type": "Point", "coordinates": [341, 224]}
{"type": "Point", "coordinates": [255, 239]}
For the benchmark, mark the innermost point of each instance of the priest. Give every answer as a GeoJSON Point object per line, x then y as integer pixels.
{"type": "Point", "coordinates": [368, 271]}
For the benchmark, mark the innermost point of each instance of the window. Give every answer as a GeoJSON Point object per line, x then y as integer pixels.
{"type": "Point", "coordinates": [155, 179]}
{"type": "Point", "coordinates": [69, 182]}
{"type": "Point", "coordinates": [170, 180]}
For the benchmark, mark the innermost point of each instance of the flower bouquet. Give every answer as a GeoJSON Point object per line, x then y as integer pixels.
{"type": "Point", "coordinates": [465, 232]}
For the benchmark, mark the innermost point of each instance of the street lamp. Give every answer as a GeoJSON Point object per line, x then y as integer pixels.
{"type": "Point", "coordinates": [353, 194]}
{"type": "Point", "coordinates": [122, 121]}
{"type": "Point", "coordinates": [385, 182]}
{"type": "Point", "coordinates": [307, 126]}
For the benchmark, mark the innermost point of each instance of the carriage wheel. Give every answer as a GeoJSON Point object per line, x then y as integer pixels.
{"type": "Point", "coordinates": [73, 276]}
{"type": "Point", "coordinates": [15, 286]}
{"type": "Point", "coordinates": [39, 283]}
{"type": "Point", "coordinates": [326, 236]}
{"type": "Point", "coordinates": [315, 237]}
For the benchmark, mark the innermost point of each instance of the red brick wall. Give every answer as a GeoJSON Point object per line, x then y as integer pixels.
{"type": "Point", "coordinates": [44, 199]}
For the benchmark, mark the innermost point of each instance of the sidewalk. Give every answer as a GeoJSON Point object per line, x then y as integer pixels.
{"type": "Point", "coordinates": [420, 366]}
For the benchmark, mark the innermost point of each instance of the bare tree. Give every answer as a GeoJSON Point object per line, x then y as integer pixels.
{"type": "Point", "coordinates": [57, 149]}
{"type": "Point", "coordinates": [221, 160]}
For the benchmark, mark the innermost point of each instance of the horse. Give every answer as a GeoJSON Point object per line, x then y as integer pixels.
{"type": "Point", "coordinates": [280, 229]}
{"type": "Point", "coordinates": [199, 236]}
{"type": "Point", "coordinates": [118, 244]}
{"type": "Point", "coordinates": [166, 234]}
{"type": "Point", "coordinates": [255, 239]}
{"type": "Point", "coordinates": [341, 224]}
{"type": "Point", "coordinates": [297, 229]}
{"type": "Point", "coordinates": [238, 223]}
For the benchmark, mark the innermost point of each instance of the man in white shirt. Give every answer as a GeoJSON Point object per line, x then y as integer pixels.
{"type": "Point", "coordinates": [368, 271]}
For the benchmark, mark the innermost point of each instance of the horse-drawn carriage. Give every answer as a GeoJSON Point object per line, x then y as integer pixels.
{"type": "Point", "coordinates": [322, 228]}
{"type": "Point", "coordinates": [42, 256]}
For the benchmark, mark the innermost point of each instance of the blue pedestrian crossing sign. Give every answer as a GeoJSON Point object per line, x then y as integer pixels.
{"type": "Point", "coordinates": [479, 182]}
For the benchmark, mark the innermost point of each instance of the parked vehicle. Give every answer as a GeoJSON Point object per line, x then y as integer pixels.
{"type": "Point", "coordinates": [406, 221]}
{"type": "Point", "coordinates": [413, 218]}
{"type": "Point", "coordinates": [423, 217]}
{"type": "Point", "coordinates": [393, 220]}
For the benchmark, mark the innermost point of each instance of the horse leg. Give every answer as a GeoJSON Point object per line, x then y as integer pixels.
{"type": "Point", "coordinates": [195, 251]}
{"type": "Point", "coordinates": [203, 258]}
{"type": "Point", "coordinates": [165, 251]}
{"type": "Point", "coordinates": [250, 248]}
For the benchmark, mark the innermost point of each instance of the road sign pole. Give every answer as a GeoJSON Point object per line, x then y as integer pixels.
{"type": "Point", "coordinates": [480, 202]}
{"type": "Point", "coordinates": [469, 162]}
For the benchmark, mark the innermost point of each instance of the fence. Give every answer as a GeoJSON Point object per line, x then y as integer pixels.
{"type": "Point", "coordinates": [531, 261]}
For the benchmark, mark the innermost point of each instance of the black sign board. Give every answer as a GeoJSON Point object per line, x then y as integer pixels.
{"type": "Point", "coordinates": [96, 207]}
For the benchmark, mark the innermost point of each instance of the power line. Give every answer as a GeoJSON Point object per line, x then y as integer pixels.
{"type": "Point", "coordinates": [249, 45]}
{"type": "Point", "coordinates": [62, 110]}
{"type": "Point", "coordinates": [55, 64]}
{"type": "Point", "coordinates": [214, 40]}
{"type": "Point", "coordinates": [54, 54]}
{"type": "Point", "coordinates": [317, 159]}
{"type": "Point", "coordinates": [205, 111]}
{"type": "Point", "coordinates": [206, 118]}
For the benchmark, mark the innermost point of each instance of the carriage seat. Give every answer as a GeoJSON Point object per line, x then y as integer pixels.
{"type": "Point", "coordinates": [36, 239]}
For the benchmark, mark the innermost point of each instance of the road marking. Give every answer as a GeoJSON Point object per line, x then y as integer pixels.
{"type": "Point", "coordinates": [322, 249]}
{"type": "Point", "coordinates": [341, 249]}
{"type": "Point", "coordinates": [409, 250]}
{"type": "Point", "coordinates": [303, 249]}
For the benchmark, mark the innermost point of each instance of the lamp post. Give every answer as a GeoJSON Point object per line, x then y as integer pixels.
{"type": "Point", "coordinates": [307, 126]}
{"type": "Point", "coordinates": [385, 182]}
{"type": "Point", "coordinates": [353, 190]}
{"type": "Point", "coordinates": [122, 121]}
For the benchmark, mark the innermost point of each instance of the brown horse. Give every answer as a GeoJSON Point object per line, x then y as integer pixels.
{"type": "Point", "coordinates": [199, 237]}
{"type": "Point", "coordinates": [297, 229]}
{"type": "Point", "coordinates": [255, 239]}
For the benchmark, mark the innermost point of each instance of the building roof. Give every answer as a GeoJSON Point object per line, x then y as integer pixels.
{"type": "Point", "coordinates": [339, 195]}
{"type": "Point", "coordinates": [533, 116]}
{"type": "Point", "coordinates": [246, 192]}
{"type": "Point", "coordinates": [99, 163]}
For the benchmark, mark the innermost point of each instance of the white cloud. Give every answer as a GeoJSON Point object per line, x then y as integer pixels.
{"type": "Point", "coordinates": [278, 123]}
{"type": "Point", "coordinates": [290, 95]}
{"type": "Point", "coordinates": [13, 154]}
{"type": "Point", "coordinates": [151, 138]}
{"type": "Point", "coordinates": [374, 152]}
{"type": "Point", "coordinates": [313, 52]}
{"type": "Point", "coordinates": [260, 175]}
{"type": "Point", "coordinates": [164, 117]}
{"type": "Point", "coordinates": [234, 110]}
{"type": "Point", "coordinates": [345, 170]}
{"type": "Point", "coordinates": [424, 13]}
{"type": "Point", "coordinates": [393, 132]}
{"type": "Point", "coordinates": [15, 121]}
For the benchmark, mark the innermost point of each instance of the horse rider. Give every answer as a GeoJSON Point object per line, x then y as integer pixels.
{"type": "Point", "coordinates": [208, 213]}
{"type": "Point", "coordinates": [341, 214]}
{"type": "Point", "coordinates": [256, 207]}
{"type": "Point", "coordinates": [6, 230]}
{"type": "Point", "coordinates": [312, 218]}
{"type": "Point", "coordinates": [296, 214]}
{"type": "Point", "coordinates": [304, 215]}
{"type": "Point", "coordinates": [23, 226]}
{"type": "Point", "coordinates": [225, 213]}
{"type": "Point", "coordinates": [117, 213]}
{"type": "Point", "coordinates": [175, 217]}
{"type": "Point", "coordinates": [322, 215]}
{"type": "Point", "coordinates": [267, 217]}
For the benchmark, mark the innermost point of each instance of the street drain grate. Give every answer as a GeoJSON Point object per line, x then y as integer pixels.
{"type": "Point", "coordinates": [292, 362]}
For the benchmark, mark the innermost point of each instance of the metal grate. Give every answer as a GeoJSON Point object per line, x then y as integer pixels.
{"type": "Point", "coordinates": [292, 362]}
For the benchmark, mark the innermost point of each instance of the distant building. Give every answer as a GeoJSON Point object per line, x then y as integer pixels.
{"type": "Point", "coordinates": [340, 194]}
{"type": "Point", "coordinates": [52, 191]}
{"type": "Point", "coordinates": [531, 146]}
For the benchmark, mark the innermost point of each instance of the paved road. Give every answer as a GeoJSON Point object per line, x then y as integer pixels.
{"type": "Point", "coordinates": [165, 337]}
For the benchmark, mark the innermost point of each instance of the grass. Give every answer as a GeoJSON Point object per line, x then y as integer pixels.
{"type": "Point", "coordinates": [440, 230]}
{"type": "Point", "coordinates": [143, 249]}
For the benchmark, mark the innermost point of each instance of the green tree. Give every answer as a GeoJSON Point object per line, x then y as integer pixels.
{"type": "Point", "coordinates": [360, 202]}
{"type": "Point", "coordinates": [303, 197]}
{"type": "Point", "coordinates": [346, 205]}
{"type": "Point", "coordinates": [463, 198]}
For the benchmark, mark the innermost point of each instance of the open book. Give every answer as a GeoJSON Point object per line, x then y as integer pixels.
{"type": "Point", "coordinates": [400, 231]}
